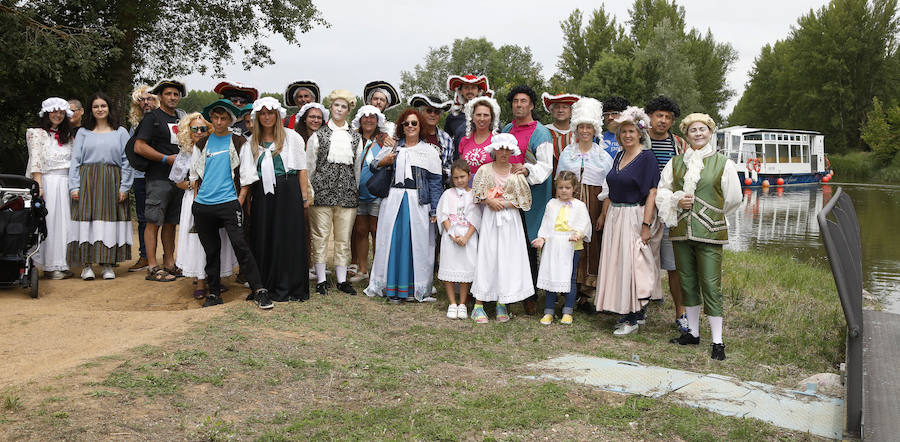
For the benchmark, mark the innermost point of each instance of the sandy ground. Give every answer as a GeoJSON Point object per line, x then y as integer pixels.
{"type": "Point", "coordinates": [74, 321]}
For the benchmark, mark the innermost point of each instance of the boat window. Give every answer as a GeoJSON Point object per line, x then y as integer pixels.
{"type": "Point", "coordinates": [770, 153]}
{"type": "Point", "coordinates": [753, 137]}
{"type": "Point", "coordinates": [784, 153]}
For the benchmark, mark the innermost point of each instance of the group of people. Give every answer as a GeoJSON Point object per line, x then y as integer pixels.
{"type": "Point", "coordinates": [588, 208]}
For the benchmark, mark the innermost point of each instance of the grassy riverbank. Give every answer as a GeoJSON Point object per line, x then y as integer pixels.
{"type": "Point", "coordinates": [340, 367]}
{"type": "Point", "coordinates": [864, 167]}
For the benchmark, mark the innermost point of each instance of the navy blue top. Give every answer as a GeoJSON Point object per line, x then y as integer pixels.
{"type": "Point", "coordinates": [632, 184]}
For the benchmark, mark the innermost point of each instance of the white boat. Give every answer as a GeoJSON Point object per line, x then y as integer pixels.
{"type": "Point", "coordinates": [796, 156]}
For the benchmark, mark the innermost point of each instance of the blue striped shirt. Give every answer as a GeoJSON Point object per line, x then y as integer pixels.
{"type": "Point", "coordinates": [664, 150]}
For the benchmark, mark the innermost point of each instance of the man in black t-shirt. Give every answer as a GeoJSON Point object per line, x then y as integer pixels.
{"type": "Point", "coordinates": [156, 140]}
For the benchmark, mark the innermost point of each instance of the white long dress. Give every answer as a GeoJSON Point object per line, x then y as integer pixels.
{"type": "Point", "coordinates": [48, 157]}
{"type": "Point", "coordinates": [190, 256]}
{"type": "Point", "coordinates": [503, 273]}
{"type": "Point", "coordinates": [458, 207]}
{"type": "Point", "coordinates": [555, 273]}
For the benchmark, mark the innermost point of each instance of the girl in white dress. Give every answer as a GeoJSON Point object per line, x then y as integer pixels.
{"type": "Point", "coordinates": [503, 274]}
{"type": "Point", "coordinates": [49, 156]}
{"type": "Point", "coordinates": [459, 219]}
{"type": "Point", "coordinates": [191, 258]}
{"type": "Point", "coordinates": [565, 228]}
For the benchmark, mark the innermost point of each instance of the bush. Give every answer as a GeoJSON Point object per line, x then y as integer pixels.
{"type": "Point", "coordinates": [854, 165]}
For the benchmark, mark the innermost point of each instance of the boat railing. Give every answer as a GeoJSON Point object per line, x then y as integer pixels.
{"type": "Point", "coordinates": [840, 232]}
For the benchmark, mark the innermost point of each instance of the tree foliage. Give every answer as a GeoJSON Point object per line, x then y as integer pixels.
{"type": "Point", "coordinates": [881, 132]}
{"type": "Point", "coordinates": [75, 47]}
{"type": "Point", "coordinates": [505, 67]}
{"type": "Point", "coordinates": [657, 57]}
{"type": "Point", "coordinates": [824, 75]}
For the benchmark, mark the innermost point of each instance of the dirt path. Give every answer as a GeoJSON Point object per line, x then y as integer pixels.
{"type": "Point", "coordinates": [74, 321]}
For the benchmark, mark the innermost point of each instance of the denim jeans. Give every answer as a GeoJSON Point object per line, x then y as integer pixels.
{"type": "Point", "coordinates": [569, 306]}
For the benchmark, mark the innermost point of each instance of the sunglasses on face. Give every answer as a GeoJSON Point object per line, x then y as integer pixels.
{"type": "Point", "coordinates": [238, 101]}
{"type": "Point", "coordinates": [199, 129]}
{"type": "Point", "coordinates": [433, 111]}
{"type": "Point", "coordinates": [412, 123]}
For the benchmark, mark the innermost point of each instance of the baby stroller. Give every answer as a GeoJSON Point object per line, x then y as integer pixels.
{"type": "Point", "coordinates": [23, 226]}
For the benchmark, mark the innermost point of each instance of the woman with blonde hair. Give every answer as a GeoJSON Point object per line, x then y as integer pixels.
{"type": "Point", "coordinates": [274, 164]}
{"type": "Point", "coordinates": [191, 258]}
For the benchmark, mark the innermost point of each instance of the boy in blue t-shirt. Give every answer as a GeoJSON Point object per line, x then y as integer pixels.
{"type": "Point", "coordinates": [217, 204]}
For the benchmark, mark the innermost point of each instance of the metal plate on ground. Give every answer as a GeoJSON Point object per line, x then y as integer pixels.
{"type": "Point", "coordinates": [819, 415]}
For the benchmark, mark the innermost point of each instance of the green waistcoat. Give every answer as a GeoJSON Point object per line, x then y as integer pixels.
{"type": "Point", "coordinates": [705, 221]}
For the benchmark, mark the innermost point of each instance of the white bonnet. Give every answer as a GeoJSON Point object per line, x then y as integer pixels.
{"type": "Point", "coordinates": [267, 103]}
{"type": "Point", "coordinates": [325, 113]}
{"type": "Point", "coordinates": [504, 141]}
{"type": "Point", "coordinates": [365, 111]}
{"type": "Point", "coordinates": [54, 104]}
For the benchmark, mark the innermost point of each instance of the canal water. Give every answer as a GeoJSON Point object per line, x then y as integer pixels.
{"type": "Point", "coordinates": [783, 220]}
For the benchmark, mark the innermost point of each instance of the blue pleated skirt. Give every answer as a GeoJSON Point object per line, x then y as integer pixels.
{"type": "Point", "coordinates": [400, 275]}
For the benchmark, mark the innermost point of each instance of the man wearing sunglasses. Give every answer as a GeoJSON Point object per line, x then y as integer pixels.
{"type": "Point", "coordinates": [612, 106]}
{"type": "Point", "coordinates": [432, 108]}
{"type": "Point", "coordinates": [240, 95]}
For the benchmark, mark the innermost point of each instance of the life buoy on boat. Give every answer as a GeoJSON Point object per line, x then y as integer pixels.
{"type": "Point", "coordinates": [753, 165]}
{"type": "Point", "coordinates": [827, 164]}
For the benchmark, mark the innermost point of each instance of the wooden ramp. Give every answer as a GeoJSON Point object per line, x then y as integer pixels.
{"type": "Point", "coordinates": [881, 378]}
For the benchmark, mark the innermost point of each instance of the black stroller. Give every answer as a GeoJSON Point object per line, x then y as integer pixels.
{"type": "Point", "coordinates": [23, 226]}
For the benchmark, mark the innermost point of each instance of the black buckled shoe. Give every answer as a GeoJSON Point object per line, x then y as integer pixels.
{"type": "Point", "coordinates": [346, 287]}
{"type": "Point", "coordinates": [212, 300]}
{"type": "Point", "coordinates": [322, 288]}
{"type": "Point", "coordinates": [718, 352]}
{"type": "Point", "coordinates": [685, 339]}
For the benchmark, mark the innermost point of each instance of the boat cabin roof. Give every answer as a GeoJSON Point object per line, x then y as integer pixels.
{"type": "Point", "coordinates": [744, 130]}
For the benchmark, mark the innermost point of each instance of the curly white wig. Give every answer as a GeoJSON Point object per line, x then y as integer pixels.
{"type": "Point", "coordinates": [470, 109]}
{"type": "Point", "coordinates": [588, 111]}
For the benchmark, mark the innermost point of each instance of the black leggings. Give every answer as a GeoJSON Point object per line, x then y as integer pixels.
{"type": "Point", "coordinates": [208, 219]}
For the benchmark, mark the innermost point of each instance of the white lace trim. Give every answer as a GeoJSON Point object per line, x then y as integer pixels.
{"type": "Point", "coordinates": [111, 233]}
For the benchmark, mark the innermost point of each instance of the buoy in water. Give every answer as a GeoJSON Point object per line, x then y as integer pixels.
{"type": "Point", "coordinates": [765, 183]}
{"type": "Point", "coordinates": [779, 181]}
{"type": "Point", "coordinates": [826, 179]}
{"type": "Point", "coordinates": [748, 181]}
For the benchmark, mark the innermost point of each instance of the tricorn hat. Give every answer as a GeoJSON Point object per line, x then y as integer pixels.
{"type": "Point", "coordinates": [232, 88]}
{"type": "Point", "coordinates": [392, 95]}
{"type": "Point", "coordinates": [224, 104]}
{"type": "Point", "coordinates": [420, 100]}
{"type": "Point", "coordinates": [162, 85]}
{"type": "Point", "coordinates": [305, 84]}
{"type": "Point", "coordinates": [550, 100]}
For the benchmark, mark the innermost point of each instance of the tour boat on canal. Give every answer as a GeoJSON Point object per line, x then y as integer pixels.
{"type": "Point", "coordinates": [776, 156]}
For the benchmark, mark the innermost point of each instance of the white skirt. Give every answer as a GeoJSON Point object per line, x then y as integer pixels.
{"type": "Point", "coordinates": [504, 274]}
{"type": "Point", "coordinates": [555, 273]}
{"type": "Point", "coordinates": [423, 233]}
{"type": "Point", "coordinates": [458, 263]}
{"type": "Point", "coordinates": [51, 255]}
{"type": "Point", "coordinates": [190, 257]}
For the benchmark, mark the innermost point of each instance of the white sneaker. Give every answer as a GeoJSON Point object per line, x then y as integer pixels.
{"type": "Point", "coordinates": [451, 311]}
{"type": "Point", "coordinates": [359, 276]}
{"type": "Point", "coordinates": [108, 273]}
{"type": "Point", "coordinates": [57, 275]}
{"type": "Point", "coordinates": [626, 329]}
{"type": "Point", "coordinates": [87, 273]}
{"type": "Point", "coordinates": [461, 312]}
{"type": "Point", "coordinates": [429, 299]}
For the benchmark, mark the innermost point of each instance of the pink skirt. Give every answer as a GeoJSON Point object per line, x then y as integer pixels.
{"type": "Point", "coordinates": [629, 274]}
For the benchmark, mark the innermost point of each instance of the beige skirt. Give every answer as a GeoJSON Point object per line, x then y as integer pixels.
{"type": "Point", "coordinates": [629, 274]}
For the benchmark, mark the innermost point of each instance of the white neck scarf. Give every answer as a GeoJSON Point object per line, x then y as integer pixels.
{"type": "Point", "coordinates": [267, 168]}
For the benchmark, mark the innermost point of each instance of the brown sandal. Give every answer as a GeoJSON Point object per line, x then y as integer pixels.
{"type": "Point", "coordinates": [159, 274]}
{"type": "Point", "coordinates": [176, 272]}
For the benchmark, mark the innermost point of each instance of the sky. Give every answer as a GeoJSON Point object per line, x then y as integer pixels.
{"type": "Point", "coordinates": [376, 39]}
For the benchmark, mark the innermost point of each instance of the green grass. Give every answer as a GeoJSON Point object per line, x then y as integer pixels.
{"type": "Point", "coordinates": [341, 367]}
{"type": "Point", "coordinates": [864, 167]}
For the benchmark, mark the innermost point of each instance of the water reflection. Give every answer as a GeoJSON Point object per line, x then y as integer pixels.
{"type": "Point", "coordinates": [784, 220]}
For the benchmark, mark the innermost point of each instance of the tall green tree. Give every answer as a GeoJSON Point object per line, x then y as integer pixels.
{"type": "Point", "coordinates": [505, 67]}
{"type": "Point", "coordinates": [824, 75]}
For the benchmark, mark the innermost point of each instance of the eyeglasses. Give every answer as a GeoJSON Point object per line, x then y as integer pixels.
{"type": "Point", "coordinates": [611, 114]}
{"type": "Point", "coordinates": [199, 129]}
{"type": "Point", "coordinates": [142, 99]}
{"type": "Point", "coordinates": [411, 123]}
{"type": "Point", "coordinates": [237, 101]}
{"type": "Point", "coordinates": [314, 117]}
{"type": "Point", "coordinates": [431, 110]}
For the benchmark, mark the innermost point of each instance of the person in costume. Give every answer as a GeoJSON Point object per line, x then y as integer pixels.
{"type": "Point", "coordinates": [49, 157]}
{"type": "Point", "coordinates": [482, 122]}
{"type": "Point", "coordinates": [310, 118]}
{"type": "Point", "coordinates": [697, 191]}
{"type": "Point", "coordinates": [99, 181]}
{"type": "Point", "coordinates": [383, 96]}
{"type": "Point", "coordinates": [370, 123]}
{"type": "Point", "coordinates": [464, 89]}
{"type": "Point", "coordinates": [590, 164]}
{"type": "Point", "coordinates": [459, 219]}
{"type": "Point", "coordinates": [560, 108]}
{"type": "Point", "coordinates": [240, 95]}
{"type": "Point", "coordinates": [157, 141]}
{"type": "Point", "coordinates": [612, 107]}
{"type": "Point", "coordinates": [535, 162]}
{"type": "Point", "coordinates": [565, 228]}
{"type": "Point", "coordinates": [431, 109]}
{"type": "Point", "coordinates": [194, 130]}
{"type": "Point", "coordinates": [404, 248]}
{"type": "Point", "coordinates": [142, 102]}
{"type": "Point", "coordinates": [274, 164]}
{"type": "Point", "coordinates": [665, 145]}
{"type": "Point", "coordinates": [299, 94]}
{"type": "Point", "coordinates": [502, 274]}
{"type": "Point", "coordinates": [216, 174]}
{"type": "Point", "coordinates": [629, 274]}
{"type": "Point", "coordinates": [333, 156]}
